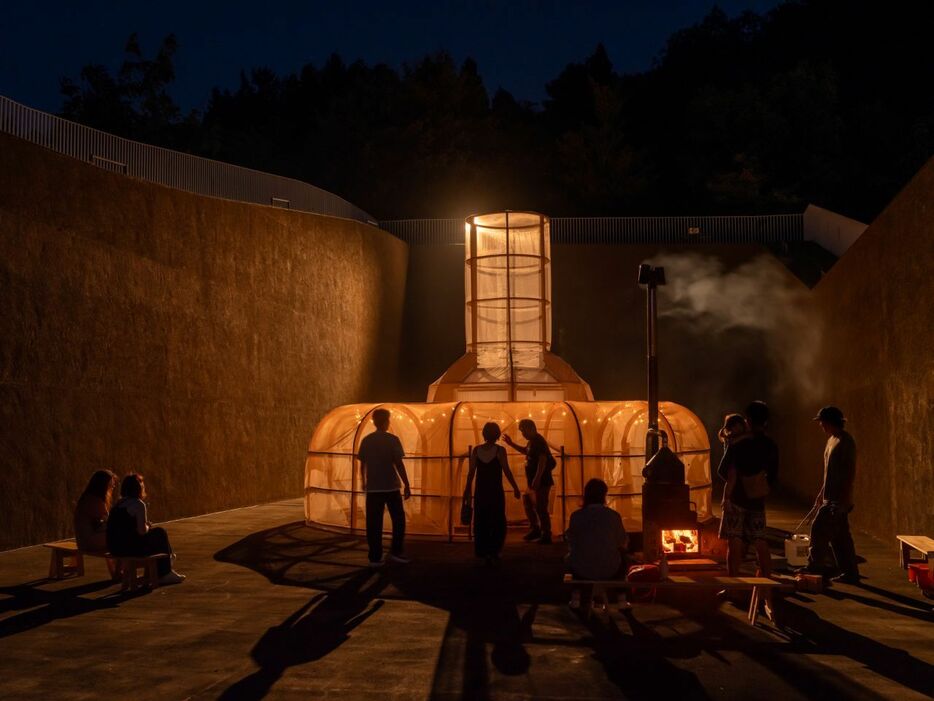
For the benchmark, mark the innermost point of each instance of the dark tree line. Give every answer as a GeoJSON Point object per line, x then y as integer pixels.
{"type": "Point", "coordinates": [823, 101]}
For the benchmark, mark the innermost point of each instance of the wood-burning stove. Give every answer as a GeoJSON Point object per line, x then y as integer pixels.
{"type": "Point", "coordinates": [669, 524]}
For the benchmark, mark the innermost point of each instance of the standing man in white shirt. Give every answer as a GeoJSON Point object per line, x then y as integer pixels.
{"type": "Point", "coordinates": [831, 527]}
{"type": "Point", "coordinates": [381, 468]}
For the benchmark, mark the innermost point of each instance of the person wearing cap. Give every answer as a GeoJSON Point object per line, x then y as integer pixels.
{"type": "Point", "coordinates": [830, 531]}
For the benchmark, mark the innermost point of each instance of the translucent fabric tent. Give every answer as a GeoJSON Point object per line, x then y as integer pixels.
{"type": "Point", "coordinates": [507, 374]}
{"type": "Point", "coordinates": [588, 439]}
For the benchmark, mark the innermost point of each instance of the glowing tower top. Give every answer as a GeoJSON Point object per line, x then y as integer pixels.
{"type": "Point", "coordinates": [508, 317]}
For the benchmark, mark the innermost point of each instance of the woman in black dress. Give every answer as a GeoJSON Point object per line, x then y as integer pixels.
{"type": "Point", "coordinates": [488, 462]}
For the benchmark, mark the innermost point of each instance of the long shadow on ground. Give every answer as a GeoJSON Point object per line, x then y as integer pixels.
{"type": "Point", "coordinates": [310, 633]}
{"type": "Point", "coordinates": [491, 617]}
{"type": "Point", "coordinates": [38, 607]}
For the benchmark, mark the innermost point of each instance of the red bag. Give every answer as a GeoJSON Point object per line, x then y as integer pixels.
{"type": "Point", "coordinates": [644, 573]}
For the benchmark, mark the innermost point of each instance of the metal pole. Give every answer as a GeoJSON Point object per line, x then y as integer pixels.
{"type": "Point", "coordinates": [651, 277]}
{"type": "Point", "coordinates": [564, 495]}
{"type": "Point", "coordinates": [651, 436]}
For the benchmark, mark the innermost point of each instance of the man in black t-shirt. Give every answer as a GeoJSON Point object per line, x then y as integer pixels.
{"type": "Point", "coordinates": [538, 466]}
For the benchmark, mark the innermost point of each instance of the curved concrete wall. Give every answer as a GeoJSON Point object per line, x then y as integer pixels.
{"type": "Point", "coordinates": [877, 314]}
{"type": "Point", "coordinates": [199, 340]}
{"type": "Point", "coordinates": [193, 339]}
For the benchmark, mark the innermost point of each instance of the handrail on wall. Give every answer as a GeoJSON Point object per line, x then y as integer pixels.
{"type": "Point", "coordinates": [183, 171]}
{"type": "Point", "coordinates": [751, 229]}
{"type": "Point", "coordinates": [205, 176]}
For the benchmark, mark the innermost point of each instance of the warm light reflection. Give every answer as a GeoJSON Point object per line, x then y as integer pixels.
{"type": "Point", "coordinates": [610, 449]}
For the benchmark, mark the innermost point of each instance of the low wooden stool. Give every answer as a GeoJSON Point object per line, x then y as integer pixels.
{"type": "Point", "coordinates": [758, 585]}
{"type": "Point", "coordinates": [148, 563]}
{"type": "Point", "coordinates": [66, 560]}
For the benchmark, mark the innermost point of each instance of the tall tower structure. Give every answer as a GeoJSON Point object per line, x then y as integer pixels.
{"type": "Point", "coordinates": [507, 279]}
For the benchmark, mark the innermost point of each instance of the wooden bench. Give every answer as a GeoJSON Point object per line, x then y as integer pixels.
{"type": "Point", "coordinates": [67, 560]}
{"type": "Point", "coordinates": [922, 544]}
{"type": "Point", "coordinates": [756, 584]}
{"type": "Point", "coordinates": [130, 567]}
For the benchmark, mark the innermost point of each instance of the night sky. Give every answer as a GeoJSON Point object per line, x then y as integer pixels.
{"type": "Point", "coordinates": [518, 45]}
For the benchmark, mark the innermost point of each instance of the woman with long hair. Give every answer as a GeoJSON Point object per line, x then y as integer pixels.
{"type": "Point", "coordinates": [92, 510]}
{"type": "Point", "coordinates": [129, 532]}
{"type": "Point", "coordinates": [488, 463]}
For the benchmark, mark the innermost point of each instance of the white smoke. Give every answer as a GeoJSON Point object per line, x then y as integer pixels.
{"type": "Point", "coordinates": [759, 295]}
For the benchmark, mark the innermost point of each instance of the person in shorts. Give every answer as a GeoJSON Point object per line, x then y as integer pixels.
{"type": "Point", "coordinates": [746, 456]}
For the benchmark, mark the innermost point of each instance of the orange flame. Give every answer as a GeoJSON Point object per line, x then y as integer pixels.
{"type": "Point", "coordinates": [680, 541]}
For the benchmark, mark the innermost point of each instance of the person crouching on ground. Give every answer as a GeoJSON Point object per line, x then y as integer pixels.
{"type": "Point", "coordinates": [129, 533]}
{"type": "Point", "coordinates": [831, 527]}
{"type": "Point", "coordinates": [538, 466]}
{"type": "Point", "coordinates": [596, 539]}
{"type": "Point", "coordinates": [92, 510]}
{"type": "Point", "coordinates": [488, 462]}
{"type": "Point", "coordinates": [381, 468]}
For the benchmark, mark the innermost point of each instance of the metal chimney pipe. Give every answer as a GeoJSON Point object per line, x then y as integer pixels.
{"type": "Point", "coordinates": [651, 277]}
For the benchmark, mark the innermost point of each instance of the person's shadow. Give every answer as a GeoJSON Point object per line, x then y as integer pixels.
{"type": "Point", "coordinates": [484, 603]}
{"type": "Point", "coordinates": [494, 633]}
{"type": "Point", "coordinates": [317, 628]}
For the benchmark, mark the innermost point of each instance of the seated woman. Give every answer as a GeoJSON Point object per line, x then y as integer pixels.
{"type": "Point", "coordinates": [129, 532]}
{"type": "Point", "coordinates": [596, 539]}
{"type": "Point", "coordinates": [92, 510]}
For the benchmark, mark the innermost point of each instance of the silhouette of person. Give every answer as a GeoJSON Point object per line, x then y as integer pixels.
{"type": "Point", "coordinates": [129, 532]}
{"type": "Point", "coordinates": [830, 530]}
{"type": "Point", "coordinates": [744, 515]}
{"type": "Point", "coordinates": [488, 463]}
{"type": "Point", "coordinates": [381, 468]}
{"type": "Point", "coordinates": [538, 466]}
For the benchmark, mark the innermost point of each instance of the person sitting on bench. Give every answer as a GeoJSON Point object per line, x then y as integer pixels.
{"type": "Point", "coordinates": [92, 510]}
{"type": "Point", "coordinates": [596, 539]}
{"type": "Point", "coordinates": [129, 533]}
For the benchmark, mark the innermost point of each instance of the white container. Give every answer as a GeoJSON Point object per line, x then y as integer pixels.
{"type": "Point", "coordinates": [796, 550]}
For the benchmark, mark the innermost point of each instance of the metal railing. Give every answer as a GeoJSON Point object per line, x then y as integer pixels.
{"type": "Point", "coordinates": [172, 168]}
{"type": "Point", "coordinates": [426, 232]}
{"type": "Point", "coordinates": [205, 176]}
{"type": "Point", "coordinates": [768, 228]}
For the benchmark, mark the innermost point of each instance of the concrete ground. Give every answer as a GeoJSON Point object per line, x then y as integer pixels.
{"type": "Point", "coordinates": [274, 609]}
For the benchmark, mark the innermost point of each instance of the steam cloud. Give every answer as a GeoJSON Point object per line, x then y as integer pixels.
{"type": "Point", "coordinates": [758, 295]}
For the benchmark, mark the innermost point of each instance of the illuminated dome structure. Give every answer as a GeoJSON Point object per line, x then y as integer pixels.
{"type": "Point", "coordinates": [507, 374]}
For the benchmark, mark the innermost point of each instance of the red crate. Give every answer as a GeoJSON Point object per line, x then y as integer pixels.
{"type": "Point", "coordinates": [920, 574]}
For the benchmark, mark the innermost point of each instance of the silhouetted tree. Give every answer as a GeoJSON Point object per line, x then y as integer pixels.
{"type": "Point", "coordinates": [822, 101]}
{"type": "Point", "coordinates": [135, 103]}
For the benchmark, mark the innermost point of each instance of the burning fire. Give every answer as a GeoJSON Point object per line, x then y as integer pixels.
{"type": "Point", "coordinates": [680, 541]}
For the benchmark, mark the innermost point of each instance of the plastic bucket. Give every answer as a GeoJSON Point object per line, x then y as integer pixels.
{"type": "Point", "coordinates": [796, 550]}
